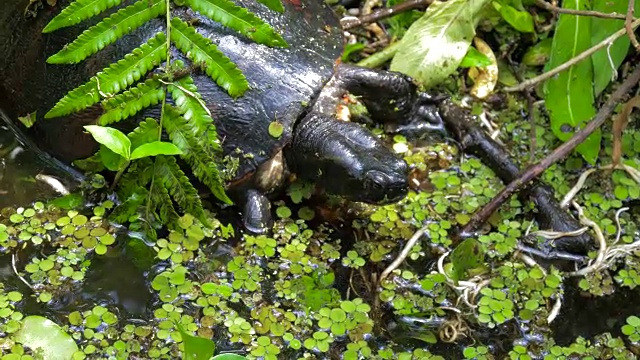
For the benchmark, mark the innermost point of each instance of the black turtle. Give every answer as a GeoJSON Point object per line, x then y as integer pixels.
{"type": "Point", "coordinates": [299, 86]}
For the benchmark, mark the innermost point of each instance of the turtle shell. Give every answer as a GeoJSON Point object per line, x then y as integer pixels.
{"type": "Point", "coordinates": [282, 80]}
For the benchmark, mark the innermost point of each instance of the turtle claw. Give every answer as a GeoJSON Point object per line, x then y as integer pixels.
{"type": "Point", "coordinates": [257, 213]}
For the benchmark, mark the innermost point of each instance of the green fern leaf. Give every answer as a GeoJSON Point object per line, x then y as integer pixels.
{"type": "Point", "coordinates": [77, 99]}
{"type": "Point", "coordinates": [239, 19]}
{"type": "Point", "coordinates": [115, 78]}
{"type": "Point", "coordinates": [161, 205]}
{"type": "Point", "coordinates": [147, 131]}
{"type": "Point", "coordinates": [78, 11]}
{"type": "Point", "coordinates": [275, 5]}
{"type": "Point", "coordinates": [128, 208]}
{"type": "Point", "coordinates": [201, 160]}
{"type": "Point", "coordinates": [179, 186]}
{"type": "Point", "coordinates": [192, 110]}
{"type": "Point", "coordinates": [201, 50]}
{"type": "Point", "coordinates": [133, 66]}
{"type": "Point", "coordinates": [130, 102]}
{"type": "Point", "coordinates": [107, 31]}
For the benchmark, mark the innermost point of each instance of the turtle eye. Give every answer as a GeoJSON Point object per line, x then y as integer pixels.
{"type": "Point", "coordinates": [374, 181]}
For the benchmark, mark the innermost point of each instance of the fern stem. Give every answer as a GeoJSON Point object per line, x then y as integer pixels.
{"type": "Point", "coordinates": [168, 63]}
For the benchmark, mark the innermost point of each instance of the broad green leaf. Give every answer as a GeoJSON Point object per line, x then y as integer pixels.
{"type": "Point", "coordinates": [46, 338]}
{"type": "Point", "coordinates": [520, 20]}
{"type": "Point", "coordinates": [239, 19]}
{"type": "Point", "coordinates": [112, 138]}
{"type": "Point", "coordinates": [606, 61]}
{"type": "Point", "coordinates": [434, 46]}
{"type": "Point", "coordinates": [107, 31]}
{"type": "Point", "coordinates": [155, 148]}
{"type": "Point", "coordinates": [474, 58]}
{"type": "Point", "coordinates": [229, 357]}
{"type": "Point", "coordinates": [275, 5]}
{"type": "Point", "coordinates": [201, 50]}
{"type": "Point", "coordinates": [569, 95]}
{"type": "Point", "coordinates": [468, 255]}
{"type": "Point", "coordinates": [111, 160]}
{"type": "Point", "coordinates": [78, 11]}
{"type": "Point", "coordinates": [131, 102]}
{"type": "Point", "coordinates": [195, 347]}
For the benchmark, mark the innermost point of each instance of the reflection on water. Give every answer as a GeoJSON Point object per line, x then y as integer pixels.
{"type": "Point", "coordinates": [27, 173]}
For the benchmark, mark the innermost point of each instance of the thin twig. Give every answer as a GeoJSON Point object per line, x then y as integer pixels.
{"type": "Point", "coordinates": [15, 271]}
{"type": "Point", "coordinates": [378, 15]}
{"type": "Point", "coordinates": [534, 170]}
{"type": "Point", "coordinates": [582, 56]}
{"type": "Point", "coordinates": [627, 25]}
{"type": "Point", "coordinates": [554, 9]}
{"type": "Point", "coordinates": [404, 253]}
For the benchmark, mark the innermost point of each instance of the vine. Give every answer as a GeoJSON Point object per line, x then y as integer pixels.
{"type": "Point", "coordinates": [149, 180]}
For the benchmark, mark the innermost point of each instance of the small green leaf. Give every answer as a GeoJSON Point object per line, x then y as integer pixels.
{"type": "Point", "coordinates": [155, 148]}
{"type": "Point", "coordinates": [28, 120]}
{"type": "Point", "coordinates": [520, 20]}
{"type": "Point", "coordinates": [468, 255]}
{"type": "Point", "coordinates": [538, 54]}
{"type": "Point", "coordinates": [68, 202]}
{"type": "Point", "coordinates": [276, 129]}
{"type": "Point", "coordinates": [475, 58]}
{"type": "Point", "coordinates": [229, 357]}
{"type": "Point", "coordinates": [112, 138]}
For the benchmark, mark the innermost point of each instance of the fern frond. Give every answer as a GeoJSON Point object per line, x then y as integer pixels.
{"type": "Point", "coordinates": [161, 205]}
{"type": "Point", "coordinates": [108, 30]}
{"type": "Point", "coordinates": [77, 99]}
{"type": "Point", "coordinates": [275, 5]}
{"type": "Point", "coordinates": [191, 109]}
{"type": "Point", "coordinates": [239, 19]}
{"type": "Point", "coordinates": [129, 207]}
{"type": "Point", "coordinates": [179, 186]}
{"type": "Point", "coordinates": [201, 50]}
{"type": "Point", "coordinates": [130, 102]}
{"type": "Point", "coordinates": [133, 66]}
{"type": "Point", "coordinates": [147, 131]}
{"type": "Point", "coordinates": [78, 11]}
{"type": "Point", "coordinates": [201, 160]}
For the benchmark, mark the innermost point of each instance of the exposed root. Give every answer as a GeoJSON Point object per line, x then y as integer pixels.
{"type": "Point", "coordinates": [15, 271]}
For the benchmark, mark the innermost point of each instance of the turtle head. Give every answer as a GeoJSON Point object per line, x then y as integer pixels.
{"type": "Point", "coordinates": [347, 160]}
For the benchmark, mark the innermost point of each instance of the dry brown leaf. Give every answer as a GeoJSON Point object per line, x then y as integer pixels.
{"type": "Point", "coordinates": [484, 78]}
{"type": "Point", "coordinates": [619, 124]}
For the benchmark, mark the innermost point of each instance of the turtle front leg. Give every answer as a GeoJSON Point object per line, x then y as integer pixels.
{"type": "Point", "coordinates": [392, 98]}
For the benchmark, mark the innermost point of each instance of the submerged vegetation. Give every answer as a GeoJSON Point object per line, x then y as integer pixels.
{"type": "Point", "coordinates": [334, 279]}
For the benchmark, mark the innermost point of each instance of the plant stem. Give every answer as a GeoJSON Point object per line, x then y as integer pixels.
{"type": "Point", "coordinates": [582, 56]}
{"type": "Point", "coordinates": [380, 57]}
{"type": "Point", "coordinates": [119, 175]}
